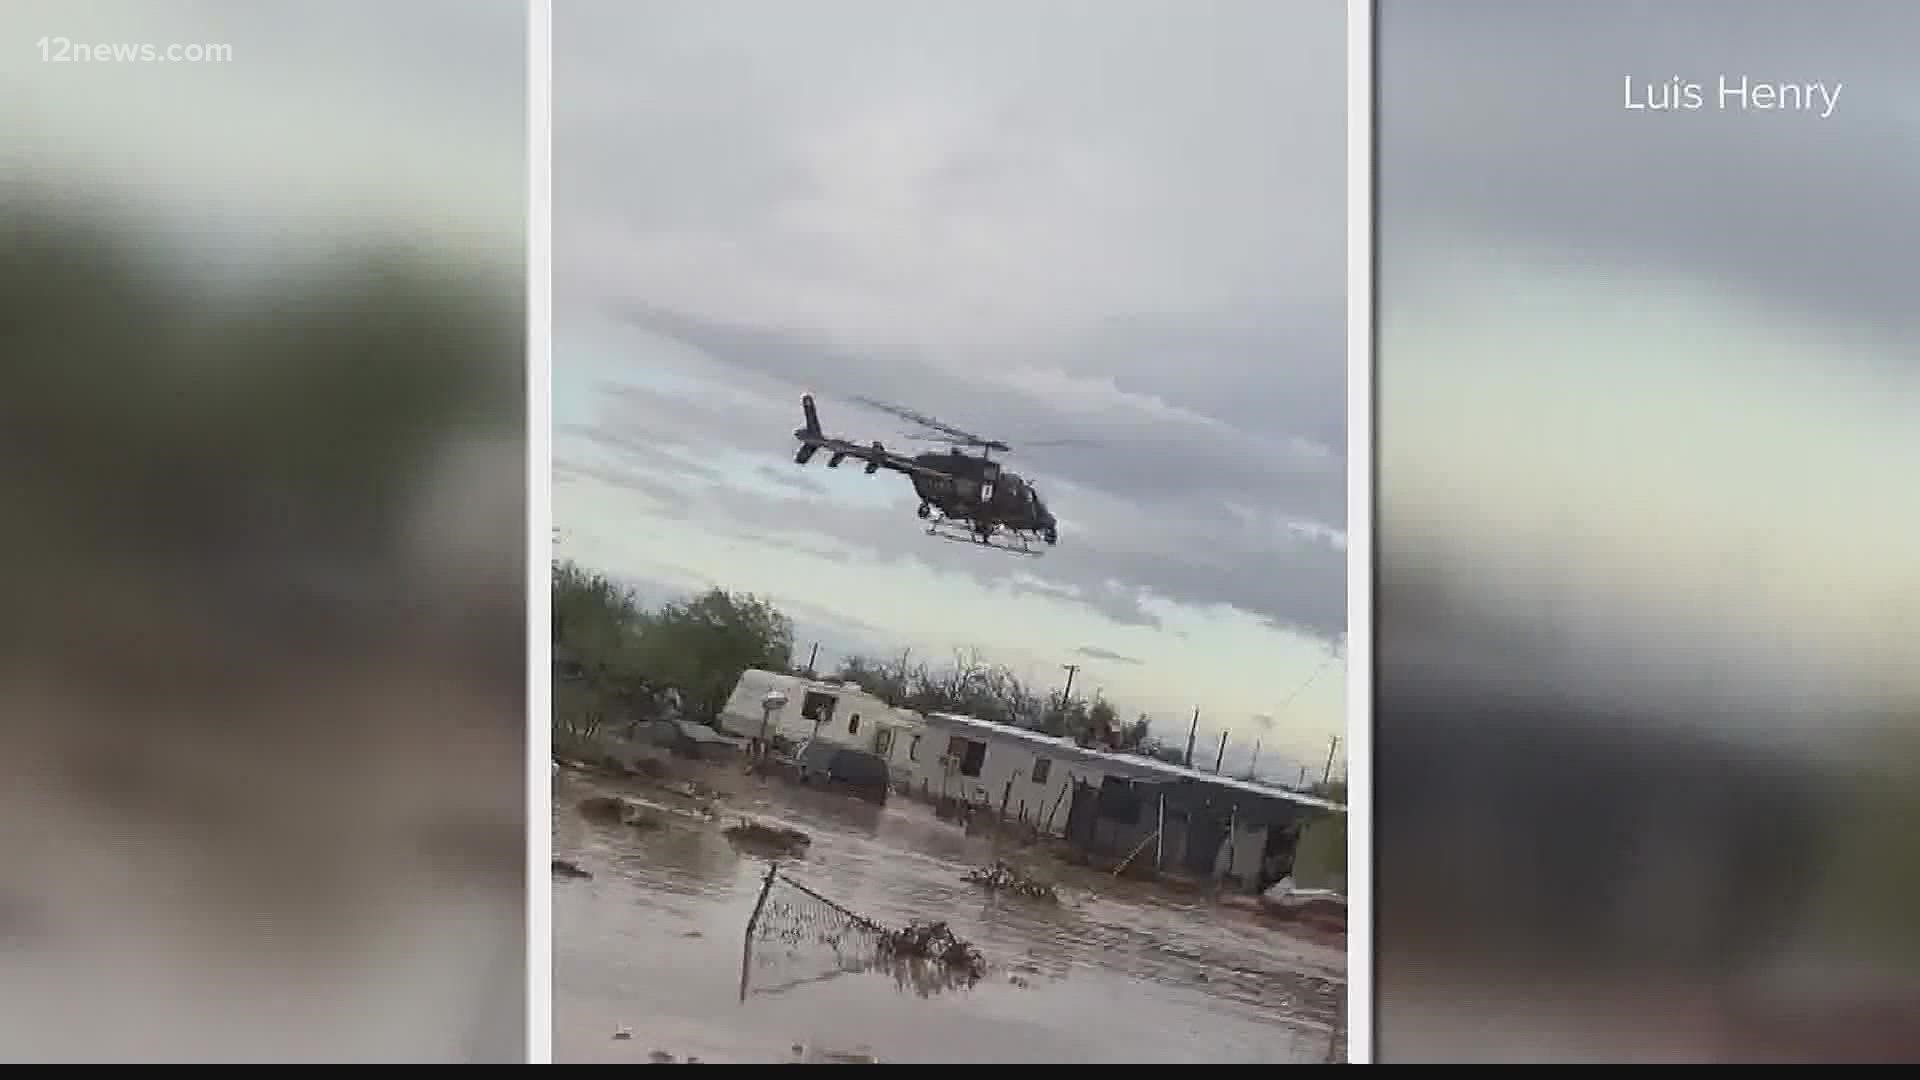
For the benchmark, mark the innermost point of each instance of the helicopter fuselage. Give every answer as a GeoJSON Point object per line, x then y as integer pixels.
{"type": "Point", "coordinates": [961, 486]}
{"type": "Point", "coordinates": [957, 489]}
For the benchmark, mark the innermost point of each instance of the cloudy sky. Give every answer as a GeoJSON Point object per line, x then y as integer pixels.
{"type": "Point", "coordinates": [1653, 375]}
{"type": "Point", "coordinates": [1107, 222]}
{"type": "Point", "coordinates": [356, 110]}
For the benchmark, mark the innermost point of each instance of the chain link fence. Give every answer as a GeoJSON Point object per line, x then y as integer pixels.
{"type": "Point", "coordinates": [796, 937]}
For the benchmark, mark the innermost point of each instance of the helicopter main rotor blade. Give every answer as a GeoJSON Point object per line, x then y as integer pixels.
{"type": "Point", "coordinates": [1058, 442]}
{"type": "Point", "coordinates": [999, 445]}
{"type": "Point", "coordinates": [953, 433]}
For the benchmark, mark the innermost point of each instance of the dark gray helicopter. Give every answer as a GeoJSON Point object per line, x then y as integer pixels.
{"type": "Point", "coordinates": [963, 497]}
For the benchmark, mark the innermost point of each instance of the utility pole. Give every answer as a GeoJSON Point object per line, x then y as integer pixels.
{"type": "Point", "coordinates": [1191, 732]}
{"type": "Point", "coordinates": [1222, 755]}
{"type": "Point", "coordinates": [811, 657]}
{"type": "Point", "coordinates": [1326, 774]}
{"type": "Point", "coordinates": [1066, 696]}
{"type": "Point", "coordinates": [1256, 759]}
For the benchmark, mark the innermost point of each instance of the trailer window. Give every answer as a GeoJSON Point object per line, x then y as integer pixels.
{"type": "Point", "coordinates": [818, 707]}
{"type": "Point", "coordinates": [969, 755]}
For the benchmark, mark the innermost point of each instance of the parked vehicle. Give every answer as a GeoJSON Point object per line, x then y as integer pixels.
{"type": "Point", "coordinates": [860, 773]}
{"type": "Point", "coordinates": [687, 739]}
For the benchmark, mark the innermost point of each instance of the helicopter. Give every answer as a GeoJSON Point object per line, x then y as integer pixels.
{"type": "Point", "coordinates": [964, 497]}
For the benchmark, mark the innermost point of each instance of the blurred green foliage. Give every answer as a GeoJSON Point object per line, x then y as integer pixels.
{"type": "Point", "coordinates": [170, 397]}
{"type": "Point", "coordinates": [218, 444]}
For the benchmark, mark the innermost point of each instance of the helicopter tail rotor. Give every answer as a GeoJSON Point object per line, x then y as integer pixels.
{"type": "Point", "coordinates": [811, 435]}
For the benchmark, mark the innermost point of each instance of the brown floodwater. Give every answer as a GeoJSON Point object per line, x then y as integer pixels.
{"type": "Point", "coordinates": [647, 952]}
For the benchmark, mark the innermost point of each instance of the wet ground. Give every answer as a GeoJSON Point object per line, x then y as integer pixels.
{"type": "Point", "coordinates": [650, 947]}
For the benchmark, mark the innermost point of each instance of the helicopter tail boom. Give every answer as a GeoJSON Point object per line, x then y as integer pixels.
{"type": "Point", "coordinates": [814, 438]}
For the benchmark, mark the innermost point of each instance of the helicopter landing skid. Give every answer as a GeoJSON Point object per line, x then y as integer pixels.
{"type": "Point", "coordinates": [959, 534]}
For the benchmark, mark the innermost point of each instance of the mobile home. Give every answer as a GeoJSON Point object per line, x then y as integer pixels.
{"type": "Point", "coordinates": [899, 737]}
{"type": "Point", "coordinates": [1118, 804]}
{"type": "Point", "coordinates": [1023, 773]}
{"type": "Point", "coordinates": [772, 704]}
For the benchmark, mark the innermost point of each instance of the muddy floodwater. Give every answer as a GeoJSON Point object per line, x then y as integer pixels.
{"type": "Point", "coordinates": [648, 950]}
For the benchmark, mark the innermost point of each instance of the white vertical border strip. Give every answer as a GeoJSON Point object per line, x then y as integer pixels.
{"type": "Point", "coordinates": [539, 530]}
{"type": "Point", "coordinates": [1360, 412]}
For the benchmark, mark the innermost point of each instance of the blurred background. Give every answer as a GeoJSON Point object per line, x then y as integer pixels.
{"type": "Point", "coordinates": [1647, 754]}
{"type": "Point", "coordinates": [262, 668]}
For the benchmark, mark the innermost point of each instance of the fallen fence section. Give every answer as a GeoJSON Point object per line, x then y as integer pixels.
{"type": "Point", "coordinates": [796, 936]}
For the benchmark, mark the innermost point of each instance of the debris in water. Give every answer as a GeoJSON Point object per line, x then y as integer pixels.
{"type": "Point", "coordinates": [660, 1057]}
{"type": "Point", "coordinates": [567, 868]}
{"type": "Point", "coordinates": [614, 810]}
{"type": "Point", "coordinates": [623, 1033]}
{"type": "Point", "coordinates": [691, 789]}
{"type": "Point", "coordinates": [1322, 909]}
{"type": "Point", "coordinates": [649, 768]}
{"type": "Point", "coordinates": [934, 941]}
{"type": "Point", "coordinates": [820, 1055]}
{"type": "Point", "coordinates": [1003, 878]}
{"type": "Point", "coordinates": [773, 839]}
{"type": "Point", "coordinates": [604, 808]}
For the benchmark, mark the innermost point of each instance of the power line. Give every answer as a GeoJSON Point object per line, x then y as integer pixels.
{"type": "Point", "coordinates": [1308, 681]}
